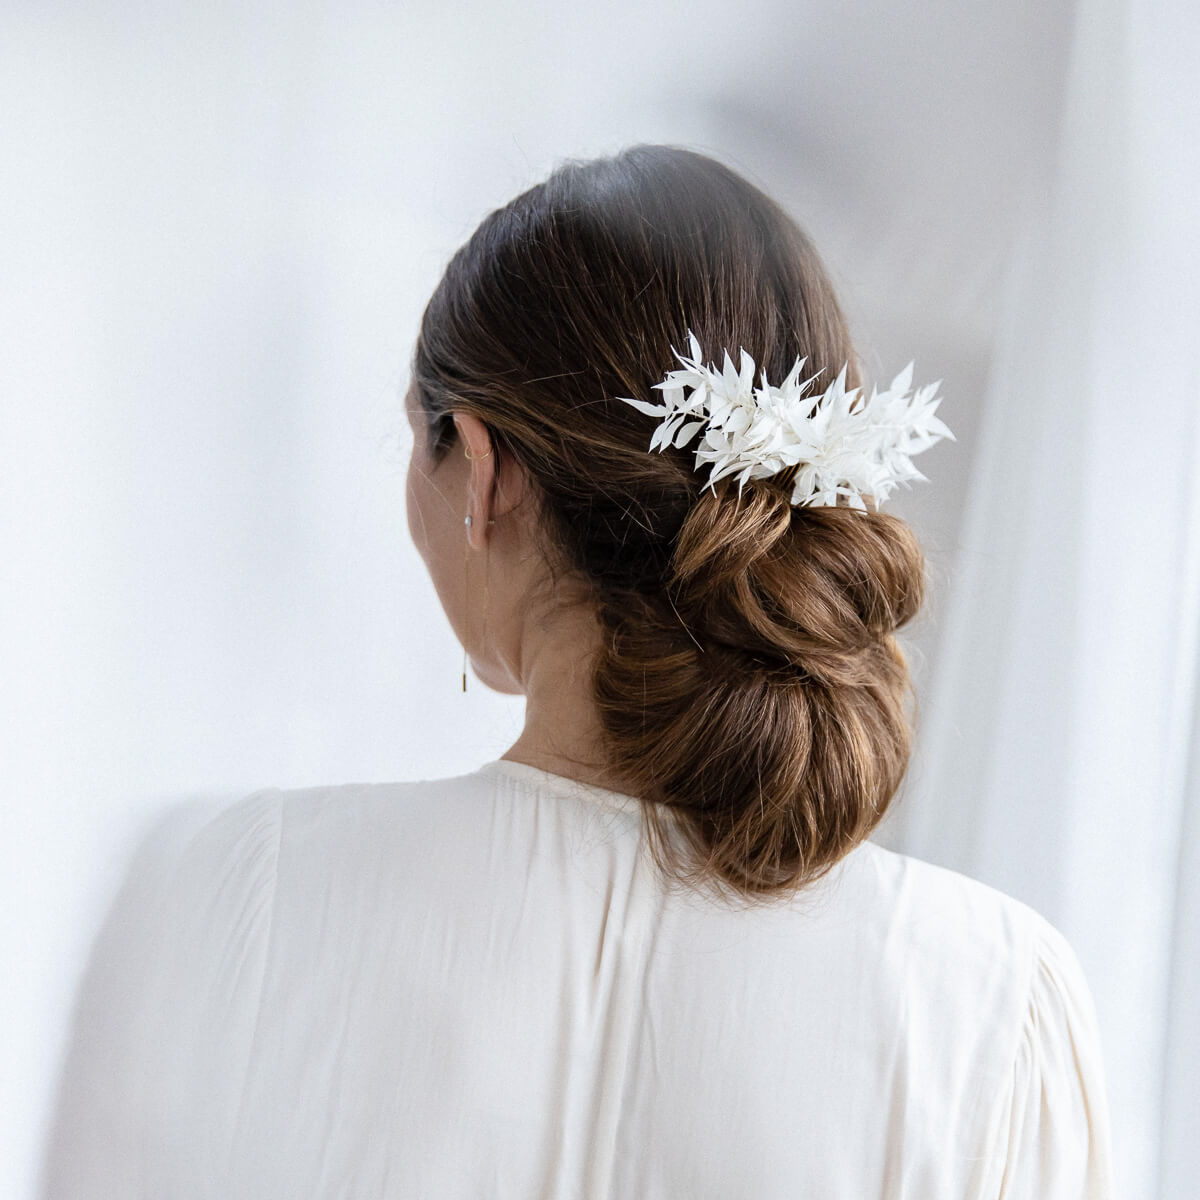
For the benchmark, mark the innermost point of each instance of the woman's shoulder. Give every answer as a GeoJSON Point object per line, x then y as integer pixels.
{"type": "Point", "coordinates": [210, 880]}
{"type": "Point", "coordinates": [463, 813]}
{"type": "Point", "coordinates": [416, 830]}
{"type": "Point", "coordinates": [947, 908]}
{"type": "Point", "coordinates": [1014, 976]}
{"type": "Point", "coordinates": [296, 814]}
{"type": "Point", "coordinates": [963, 938]}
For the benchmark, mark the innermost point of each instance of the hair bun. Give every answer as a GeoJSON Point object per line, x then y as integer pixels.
{"type": "Point", "coordinates": [808, 587]}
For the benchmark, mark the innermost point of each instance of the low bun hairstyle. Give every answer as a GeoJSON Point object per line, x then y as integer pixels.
{"type": "Point", "coordinates": [748, 683]}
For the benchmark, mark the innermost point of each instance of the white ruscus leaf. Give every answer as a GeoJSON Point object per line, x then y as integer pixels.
{"type": "Point", "coordinates": [844, 443]}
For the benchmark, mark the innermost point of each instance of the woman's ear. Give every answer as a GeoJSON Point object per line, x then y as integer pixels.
{"type": "Point", "coordinates": [475, 445]}
{"type": "Point", "coordinates": [495, 487]}
{"type": "Point", "coordinates": [473, 433]}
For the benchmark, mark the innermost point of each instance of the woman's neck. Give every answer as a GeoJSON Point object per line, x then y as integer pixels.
{"type": "Point", "coordinates": [562, 732]}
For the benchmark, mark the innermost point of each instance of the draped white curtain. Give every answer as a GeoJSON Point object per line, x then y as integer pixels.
{"type": "Point", "coordinates": [1056, 756]}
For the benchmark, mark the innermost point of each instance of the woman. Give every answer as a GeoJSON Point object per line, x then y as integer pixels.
{"type": "Point", "coordinates": [648, 951]}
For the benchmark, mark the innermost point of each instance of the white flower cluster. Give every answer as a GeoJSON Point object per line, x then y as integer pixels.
{"type": "Point", "coordinates": [841, 444]}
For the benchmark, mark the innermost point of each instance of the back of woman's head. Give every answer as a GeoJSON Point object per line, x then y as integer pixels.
{"type": "Point", "coordinates": [748, 679]}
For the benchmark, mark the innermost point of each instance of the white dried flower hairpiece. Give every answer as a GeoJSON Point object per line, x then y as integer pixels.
{"type": "Point", "coordinates": [825, 446]}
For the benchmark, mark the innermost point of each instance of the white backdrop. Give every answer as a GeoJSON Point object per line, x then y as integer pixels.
{"type": "Point", "coordinates": [219, 226]}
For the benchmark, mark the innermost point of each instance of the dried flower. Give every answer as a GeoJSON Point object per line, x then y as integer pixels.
{"type": "Point", "coordinates": [837, 442]}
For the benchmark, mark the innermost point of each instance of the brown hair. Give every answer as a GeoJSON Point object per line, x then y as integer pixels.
{"type": "Point", "coordinates": [749, 680]}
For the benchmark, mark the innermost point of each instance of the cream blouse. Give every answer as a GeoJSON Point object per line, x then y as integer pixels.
{"type": "Point", "coordinates": [478, 987]}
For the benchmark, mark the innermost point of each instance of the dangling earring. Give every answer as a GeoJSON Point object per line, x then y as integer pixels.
{"type": "Point", "coordinates": [486, 558]}
{"type": "Point", "coordinates": [466, 552]}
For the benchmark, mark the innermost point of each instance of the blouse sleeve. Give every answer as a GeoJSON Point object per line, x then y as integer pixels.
{"type": "Point", "coordinates": [190, 911]}
{"type": "Point", "coordinates": [1059, 1145]}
